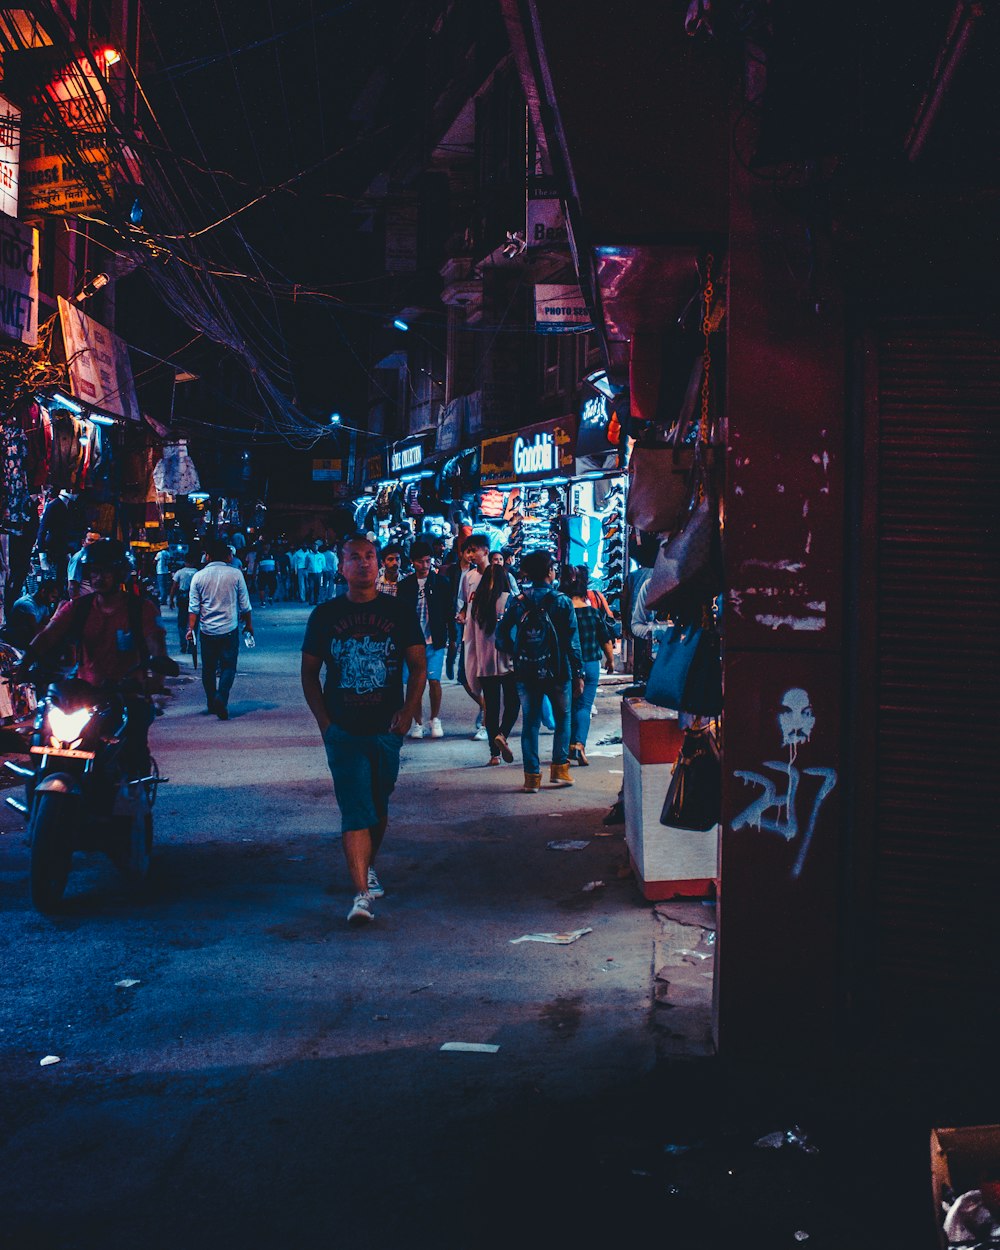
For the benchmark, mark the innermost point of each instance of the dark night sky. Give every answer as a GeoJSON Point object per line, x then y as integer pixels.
{"type": "Point", "coordinates": [249, 96]}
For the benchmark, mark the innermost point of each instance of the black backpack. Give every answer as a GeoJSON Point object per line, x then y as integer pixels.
{"type": "Point", "coordinates": [537, 654]}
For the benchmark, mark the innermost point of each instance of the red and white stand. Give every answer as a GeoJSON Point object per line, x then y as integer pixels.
{"type": "Point", "coordinates": [667, 862]}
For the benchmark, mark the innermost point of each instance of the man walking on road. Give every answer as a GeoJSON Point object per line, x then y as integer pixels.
{"type": "Point", "coordinates": [363, 639]}
{"type": "Point", "coordinates": [217, 600]}
{"type": "Point", "coordinates": [539, 630]}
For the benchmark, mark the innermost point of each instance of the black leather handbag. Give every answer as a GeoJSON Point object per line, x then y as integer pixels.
{"type": "Point", "coordinates": [694, 796]}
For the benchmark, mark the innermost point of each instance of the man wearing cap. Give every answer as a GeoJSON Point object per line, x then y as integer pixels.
{"type": "Point", "coordinates": [74, 576]}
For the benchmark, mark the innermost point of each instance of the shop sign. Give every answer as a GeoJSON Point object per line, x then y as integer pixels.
{"type": "Point", "coordinates": [100, 371]}
{"type": "Point", "coordinates": [546, 224]}
{"type": "Point", "coordinates": [18, 281]}
{"type": "Point", "coordinates": [10, 156]}
{"type": "Point", "coordinates": [405, 459]}
{"type": "Point", "coordinates": [49, 182]}
{"type": "Point", "coordinates": [374, 467]}
{"type": "Point", "coordinates": [595, 416]}
{"type": "Point", "coordinates": [327, 470]}
{"type": "Point", "coordinates": [560, 310]}
{"type": "Point", "coordinates": [540, 451]}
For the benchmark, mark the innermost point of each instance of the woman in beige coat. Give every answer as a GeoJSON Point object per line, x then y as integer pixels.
{"type": "Point", "coordinates": [488, 671]}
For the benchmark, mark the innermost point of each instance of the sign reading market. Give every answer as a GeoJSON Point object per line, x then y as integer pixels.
{"type": "Point", "coordinates": [530, 455]}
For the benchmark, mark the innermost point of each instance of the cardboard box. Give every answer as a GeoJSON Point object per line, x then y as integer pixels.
{"type": "Point", "coordinates": [960, 1159]}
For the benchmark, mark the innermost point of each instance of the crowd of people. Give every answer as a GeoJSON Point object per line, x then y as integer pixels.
{"type": "Point", "coordinates": [386, 625]}
{"type": "Point", "coordinates": [519, 643]}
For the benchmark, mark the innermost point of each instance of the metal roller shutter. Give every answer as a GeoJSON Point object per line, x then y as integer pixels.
{"type": "Point", "coordinates": [936, 772]}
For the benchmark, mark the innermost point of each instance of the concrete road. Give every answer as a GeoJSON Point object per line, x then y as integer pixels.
{"type": "Point", "coordinates": [275, 1078]}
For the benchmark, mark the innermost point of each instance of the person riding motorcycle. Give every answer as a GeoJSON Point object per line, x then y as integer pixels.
{"type": "Point", "coordinates": [115, 634]}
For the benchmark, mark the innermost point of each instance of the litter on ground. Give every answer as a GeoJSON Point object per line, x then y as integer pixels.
{"type": "Point", "coordinates": [478, 1048]}
{"type": "Point", "coordinates": [556, 939]}
{"type": "Point", "coordinates": [568, 844]}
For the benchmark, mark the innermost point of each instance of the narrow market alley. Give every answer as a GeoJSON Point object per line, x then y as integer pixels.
{"type": "Point", "coordinates": [253, 1000]}
{"type": "Point", "coordinates": [238, 1067]}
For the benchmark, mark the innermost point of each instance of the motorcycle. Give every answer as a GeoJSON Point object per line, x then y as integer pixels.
{"type": "Point", "coordinates": [92, 784]}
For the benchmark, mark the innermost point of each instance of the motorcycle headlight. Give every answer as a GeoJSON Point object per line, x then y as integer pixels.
{"type": "Point", "coordinates": [68, 726]}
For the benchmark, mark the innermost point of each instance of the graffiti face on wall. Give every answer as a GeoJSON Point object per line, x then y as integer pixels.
{"type": "Point", "coordinates": [796, 718]}
{"type": "Point", "coordinates": [771, 812]}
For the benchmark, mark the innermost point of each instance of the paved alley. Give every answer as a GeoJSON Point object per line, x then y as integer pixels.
{"type": "Point", "coordinates": [254, 1006]}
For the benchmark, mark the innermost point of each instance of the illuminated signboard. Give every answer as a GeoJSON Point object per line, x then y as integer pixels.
{"type": "Point", "coordinates": [540, 451]}
{"type": "Point", "coordinates": [403, 458]}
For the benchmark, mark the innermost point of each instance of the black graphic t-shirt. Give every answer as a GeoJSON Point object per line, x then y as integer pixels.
{"type": "Point", "coordinates": [363, 646]}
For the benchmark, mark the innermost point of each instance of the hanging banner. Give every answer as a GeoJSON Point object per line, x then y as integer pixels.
{"type": "Point", "coordinates": [560, 310]}
{"type": "Point", "coordinates": [10, 156]}
{"type": "Point", "coordinates": [401, 222]}
{"type": "Point", "coordinates": [18, 281]}
{"type": "Point", "coordinates": [451, 424]}
{"type": "Point", "coordinates": [539, 451]}
{"type": "Point", "coordinates": [546, 223]}
{"type": "Point", "coordinates": [100, 372]}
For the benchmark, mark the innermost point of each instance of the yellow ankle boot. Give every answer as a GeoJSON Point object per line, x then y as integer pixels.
{"type": "Point", "coordinates": [559, 775]}
{"type": "Point", "coordinates": [532, 783]}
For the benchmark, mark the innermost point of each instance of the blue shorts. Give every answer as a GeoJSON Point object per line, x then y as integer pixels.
{"type": "Point", "coordinates": [435, 662]}
{"type": "Point", "coordinates": [364, 768]}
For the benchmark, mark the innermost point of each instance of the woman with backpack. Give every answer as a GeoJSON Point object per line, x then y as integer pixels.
{"type": "Point", "coordinates": [539, 631]}
{"type": "Point", "coordinates": [488, 671]}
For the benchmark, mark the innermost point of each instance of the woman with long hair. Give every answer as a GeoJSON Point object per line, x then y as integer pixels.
{"type": "Point", "coordinates": [488, 671]}
{"type": "Point", "coordinates": [596, 640]}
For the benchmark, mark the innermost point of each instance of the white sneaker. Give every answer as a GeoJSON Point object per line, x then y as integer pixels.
{"type": "Point", "coordinates": [480, 735]}
{"type": "Point", "coordinates": [437, 729]}
{"type": "Point", "coordinates": [416, 730]}
{"type": "Point", "coordinates": [374, 885]}
{"type": "Point", "coordinates": [362, 911]}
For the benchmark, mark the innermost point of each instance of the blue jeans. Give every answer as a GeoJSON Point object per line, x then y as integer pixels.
{"type": "Point", "coordinates": [219, 656]}
{"type": "Point", "coordinates": [531, 709]}
{"type": "Point", "coordinates": [584, 702]}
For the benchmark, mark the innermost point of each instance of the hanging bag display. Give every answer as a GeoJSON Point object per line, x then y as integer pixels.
{"type": "Point", "coordinates": [694, 796]}
{"type": "Point", "coordinates": [687, 672]}
{"type": "Point", "coordinates": [688, 568]}
{"type": "Point", "coordinates": [659, 483]}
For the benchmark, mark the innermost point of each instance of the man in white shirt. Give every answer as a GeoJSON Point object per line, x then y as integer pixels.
{"type": "Point", "coordinates": [330, 576]}
{"type": "Point", "coordinates": [297, 560]}
{"type": "Point", "coordinates": [180, 588]}
{"type": "Point", "coordinates": [217, 600]}
{"type": "Point", "coordinates": [316, 571]}
{"type": "Point", "coordinates": [163, 573]}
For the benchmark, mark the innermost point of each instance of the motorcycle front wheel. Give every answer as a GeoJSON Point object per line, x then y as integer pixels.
{"type": "Point", "coordinates": [51, 850]}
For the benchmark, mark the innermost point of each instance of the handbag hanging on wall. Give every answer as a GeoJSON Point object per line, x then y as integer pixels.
{"type": "Point", "coordinates": [659, 484]}
{"type": "Point", "coordinates": [688, 569]}
{"type": "Point", "coordinates": [694, 796]}
{"type": "Point", "coordinates": [687, 672]}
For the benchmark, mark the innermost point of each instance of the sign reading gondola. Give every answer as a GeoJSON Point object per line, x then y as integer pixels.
{"type": "Point", "coordinates": [532, 454]}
